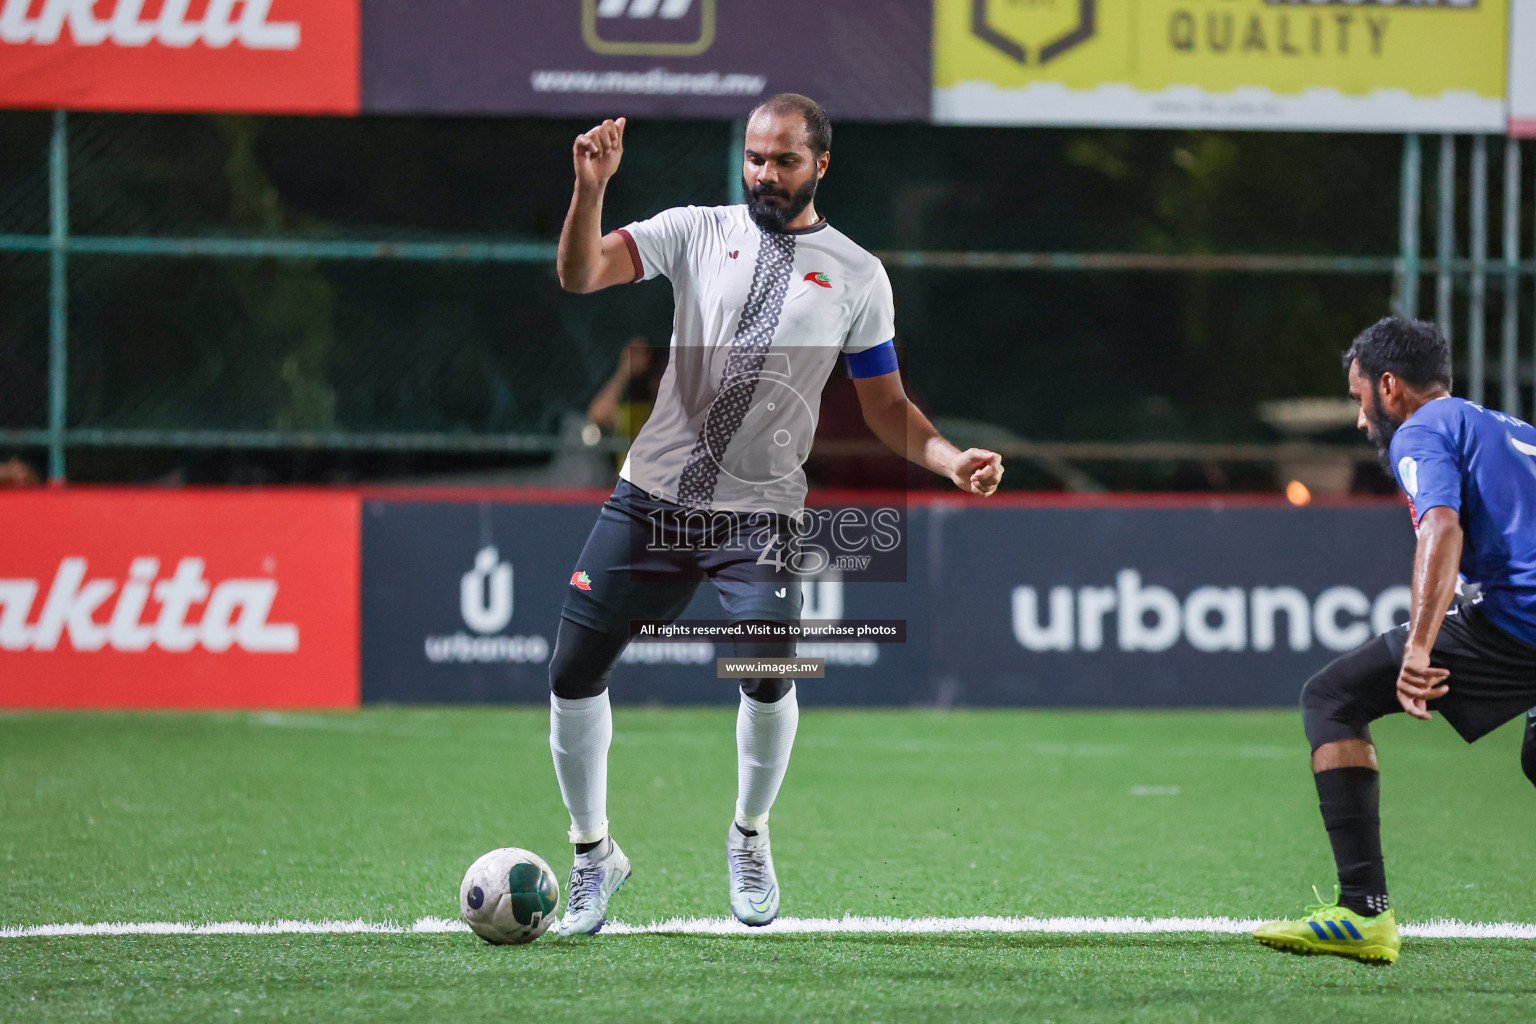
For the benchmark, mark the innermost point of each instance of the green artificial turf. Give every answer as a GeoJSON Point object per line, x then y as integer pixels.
{"type": "Point", "coordinates": [375, 815]}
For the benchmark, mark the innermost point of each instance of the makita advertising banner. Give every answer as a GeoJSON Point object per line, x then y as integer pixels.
{"type": "Point", "coordinates": [146, 599]}
{"type": "Point", "coordinates": [258, 56]}
{"type": "Point", "coordinates": [862, 58]}
{"type": "Point", "coordinates": [461, 602]}
{"type": "Point", "coordinates": [1005, 604]}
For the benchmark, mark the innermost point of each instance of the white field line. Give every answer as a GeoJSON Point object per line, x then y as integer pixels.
{"type": "Point", "coordinates": [1436, 929]}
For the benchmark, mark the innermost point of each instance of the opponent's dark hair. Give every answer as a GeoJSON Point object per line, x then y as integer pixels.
{"type": "Point", "coordinates": [1412, 350]}
{"type": "Point", "coordinates": [818, 126]}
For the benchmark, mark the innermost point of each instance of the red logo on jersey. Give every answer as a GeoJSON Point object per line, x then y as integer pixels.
{"type": "Point", "coordinates": [734, 253]}
{"type": "Point", "coordinates": [581, 581]}
{"type": "Point", "coordinates": [817, 277]}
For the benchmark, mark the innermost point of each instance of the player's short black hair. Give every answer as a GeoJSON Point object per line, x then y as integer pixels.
{"type": "Point", "coordinates": [818, 126]}
{"type": "Point", "coordinates": [1414, 351]}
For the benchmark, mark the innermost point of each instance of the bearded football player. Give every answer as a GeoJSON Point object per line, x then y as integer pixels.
{"type": "Point", "coordinates": [1468, 650]}
{"type": "Point", "coordinates": [769, 297]}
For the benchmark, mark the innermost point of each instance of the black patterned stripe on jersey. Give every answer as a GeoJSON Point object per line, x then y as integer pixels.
{"type": "Point", "coordinates": [749, 347]}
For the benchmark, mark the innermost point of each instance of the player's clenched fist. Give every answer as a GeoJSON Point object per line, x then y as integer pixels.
{"type": "Point", "coordinates": [597, 152]}
{"type": "Point", "coordinates": [978, 471]}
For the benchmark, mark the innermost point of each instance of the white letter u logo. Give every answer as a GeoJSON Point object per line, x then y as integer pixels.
{"type": "Point", "coordinates": [485, 593]}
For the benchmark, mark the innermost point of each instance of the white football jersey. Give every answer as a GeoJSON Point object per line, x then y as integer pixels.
{"type": "Point", "coordinates": [760, 321]}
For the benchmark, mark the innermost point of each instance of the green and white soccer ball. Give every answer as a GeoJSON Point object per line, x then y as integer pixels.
{"type": "Point", "coordinates": [509, 896]}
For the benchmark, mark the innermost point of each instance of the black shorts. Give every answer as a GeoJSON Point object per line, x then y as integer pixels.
{"type": "Point", "coordinates": [645, 558]}
{"type": "Point", "coordinates": [1492, 680]}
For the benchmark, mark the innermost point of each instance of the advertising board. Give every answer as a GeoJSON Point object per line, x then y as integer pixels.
{"type": "Point", "coordinates": [1317, 65]}
{"type": "Point", "coordinates": [863, 59]}
{"type": "Point", "coordinates": [256, 56]}
{"type": "Point", "coordinates": [186, 599]}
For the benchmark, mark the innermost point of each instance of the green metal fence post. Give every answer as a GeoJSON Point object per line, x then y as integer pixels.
{"type": "Point", "coordinates": [1509, 355]}
{"type": "Point", "coordinates": [1445, 235]}
{"type": "Point", "coordinates": [1477, 288]}
{"type": "Point", "coordinates": [58, 293]}
{"type": "Point", "coordinates": [1408, 230]}
{"type": "Point", "coordinates": [734, 196]}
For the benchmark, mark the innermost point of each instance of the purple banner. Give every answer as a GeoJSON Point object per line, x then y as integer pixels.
{"type": "Point", "coordinates": [862, 59]}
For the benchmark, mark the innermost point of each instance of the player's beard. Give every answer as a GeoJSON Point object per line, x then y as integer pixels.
{"type": "Point", "coordinates": [778, 218]}
{"type": "Point", "coordinates": [1380, 426]}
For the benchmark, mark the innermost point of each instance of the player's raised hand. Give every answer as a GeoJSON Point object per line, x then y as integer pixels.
{"type": "Point", "coordinates": [978, 471]}
{"type": "Point", "coordinates": [1419, 682]}
{"type": "Point", "coordinates": [597, 153]}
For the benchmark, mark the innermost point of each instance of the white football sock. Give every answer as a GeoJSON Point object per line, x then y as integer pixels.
{"type": "Point", "coordinates": [597, 853]}
{"type": "Point", "coordinates": [764, 735]}
{"type": "Point", "coordinates": [580, 731]}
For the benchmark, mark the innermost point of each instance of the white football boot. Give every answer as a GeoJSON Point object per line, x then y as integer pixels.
{"type": "Point", "coordinates": [754, 886]}
{"type": "Point", "coordinates": [596, 876]}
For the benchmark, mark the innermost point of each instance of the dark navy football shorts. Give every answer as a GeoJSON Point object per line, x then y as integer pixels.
{"type": "Point", "coordinates": [1492, 680]}
{"type": "Point", "coordinates": [645, 558]}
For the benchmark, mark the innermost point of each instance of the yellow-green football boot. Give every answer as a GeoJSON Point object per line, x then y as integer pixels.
{"type": "Point", "coordinates": [1337, 931]}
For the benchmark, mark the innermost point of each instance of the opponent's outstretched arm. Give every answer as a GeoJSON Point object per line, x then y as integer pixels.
{"type": "Point", "coordinates": [907, 432]}
{"type": "Point", "coordinates": [587, 261]}
{"type": "Point", "coordinates": [1434, 585]}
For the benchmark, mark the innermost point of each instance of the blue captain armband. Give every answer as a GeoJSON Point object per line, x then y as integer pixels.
{"type": "Point", "coordinates": [873, 362]}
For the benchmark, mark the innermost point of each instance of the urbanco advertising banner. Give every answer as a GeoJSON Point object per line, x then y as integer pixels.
{"type": "Point", "coordinates": [461, 602]}
{"type": "Point", "coordinates": [256, 56]}
{"type": "Point", "coordinates": [1328, 65]}
{"type": "Point", "coordinates": [1147, 606]}
{"type": "Point", "coordinates": [1522, 69]}
{"type": "Point", "coordinates": [1004, 604]}
{"type": "Point", "coordinates": [867, 59]}
{"type": "Point", "coordinates": [192, 599]}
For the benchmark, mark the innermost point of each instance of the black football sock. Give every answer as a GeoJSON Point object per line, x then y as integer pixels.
{"type": "Point", "coordinates": [1350, 799]}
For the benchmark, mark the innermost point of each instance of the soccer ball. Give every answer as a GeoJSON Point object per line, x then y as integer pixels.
{"type": "Point", "coordinates": [508, 897]}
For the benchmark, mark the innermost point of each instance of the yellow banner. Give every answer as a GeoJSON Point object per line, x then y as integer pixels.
{"type": "Point", "coordinates": [1307, 64]}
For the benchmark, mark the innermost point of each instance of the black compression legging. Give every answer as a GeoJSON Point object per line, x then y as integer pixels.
{"type": "Point", "coordinates": [1341, 700]}
{"type": "Point", "coordinates": [1349, 693]}
{"type": "Point", "coordinates": [584, 657]}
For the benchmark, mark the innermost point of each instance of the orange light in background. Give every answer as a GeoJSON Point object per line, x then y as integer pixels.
{"type": "Point", "coordinates": [1297, 494]}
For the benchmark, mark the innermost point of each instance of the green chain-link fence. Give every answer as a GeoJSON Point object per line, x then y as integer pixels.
{"type": "Point", "coordinates": [385, 286]}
